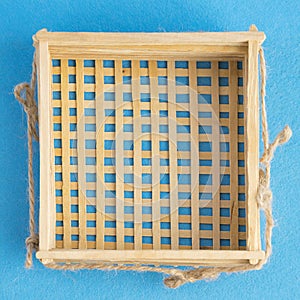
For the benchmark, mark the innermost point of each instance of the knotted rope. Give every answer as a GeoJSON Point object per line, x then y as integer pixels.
{"type": "Point", "coordinates": [177, 277]}
{"type": "Point", "coordinates": [30, 108]}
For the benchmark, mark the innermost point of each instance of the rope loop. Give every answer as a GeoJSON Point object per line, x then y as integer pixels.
{"type": "Point", "coordinates": [29, 106]}
{"type": "Point", "coordinates": [283, 137]}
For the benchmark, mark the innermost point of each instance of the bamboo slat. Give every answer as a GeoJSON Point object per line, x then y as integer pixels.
{"type": "Point", "coordinates": [137, 125]}
{"type": "Point", "coordinates": [155, 154]}
{"type": "Point", "coordinates": [100, 191]}
{"type": "Point", "coordinates": [233, 100]}
{"type": "Point", "coordinates": [119, 156]}
{"type": "Point", "coordinates": [216, 155]}
{"type": "Point", "coordinates": [173, 155]}
{"type": "Point", "coordinates": [65, 154]}
{"type": "Point", "coordinates": [80, 153]}
{"type": "Point", "coordinates": [194, 154]}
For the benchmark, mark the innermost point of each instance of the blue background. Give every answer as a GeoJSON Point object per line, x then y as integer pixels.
{"type": "Point", "coordinates": [21, 19]}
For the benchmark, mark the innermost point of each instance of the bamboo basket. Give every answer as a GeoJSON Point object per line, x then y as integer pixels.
{"type": "Point", "coordinates": [149, 148]}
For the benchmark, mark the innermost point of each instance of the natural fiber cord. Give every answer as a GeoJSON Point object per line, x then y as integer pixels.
{"type": "Point", "coordinates": [29, 106]}
{"type": "Point", "coordinates": [177, 277]}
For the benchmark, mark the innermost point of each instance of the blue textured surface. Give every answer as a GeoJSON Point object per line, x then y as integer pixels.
{"type": "Point", "coordinates": [21, 19]}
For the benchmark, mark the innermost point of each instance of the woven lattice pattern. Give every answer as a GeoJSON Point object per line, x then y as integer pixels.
{"type": "Point", "coordinates": [149, 154]}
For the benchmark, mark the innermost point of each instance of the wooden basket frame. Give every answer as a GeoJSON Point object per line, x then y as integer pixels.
{"type": "Point", "coordinates": [149, 46]}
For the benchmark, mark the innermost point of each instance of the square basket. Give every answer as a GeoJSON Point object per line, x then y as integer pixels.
{"type": "Point", "coordinates": [149, 148]}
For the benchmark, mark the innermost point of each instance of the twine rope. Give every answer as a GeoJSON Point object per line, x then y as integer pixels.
{"type": "Point", "coordinates": [30, 108]}
{"type": "Point", "coordinates": [177, 277]}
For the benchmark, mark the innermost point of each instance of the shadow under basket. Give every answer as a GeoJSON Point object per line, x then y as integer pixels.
{"type": "Point", "coordinates": [149, 148]}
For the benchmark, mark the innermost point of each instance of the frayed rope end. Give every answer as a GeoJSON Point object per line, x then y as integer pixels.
{"type": "Point", "coordinates": [176, 280]}
{"type": "Point", "coordinates": [285, 135]}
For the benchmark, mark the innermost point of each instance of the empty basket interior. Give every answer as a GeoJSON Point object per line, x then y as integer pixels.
{"type": "Point", "coordinates": [149, 154]}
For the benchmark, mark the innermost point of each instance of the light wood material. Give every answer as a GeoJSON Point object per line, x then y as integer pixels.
{"type": "Point", "coordinates": [155, 154]}
{"type": "Point", "coordinates": [233, 129]}
{"type": "Point", "coordinates": [173, 155]}
{"type": "Point", "coordinates": [47, 193]}
{"type": "Point", "coordinates": [252, 140]}
{"type": "Point", "coordinates": [137, 125]}
{"type": "Point", "coordinates": [216, 155]}
{"type": "Point", "coordinates": [135, 38]}
{"type": "Point", "coordinates": [188, 257]}
{"type": "Point", "coordinates": [194, 154]}
{"type": "Point", "coordinates": [66, 154]}
{"type": "Point", "coordinates": [100, 192]}
{"type": "Point", "coordinates": [80, 153]}
{"type": "Point", "coordinates": [143, 222]}
{"type": "Point", "coordinates": [119, 156]}
{"type": "Point", "coordinates": [153, 53]}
